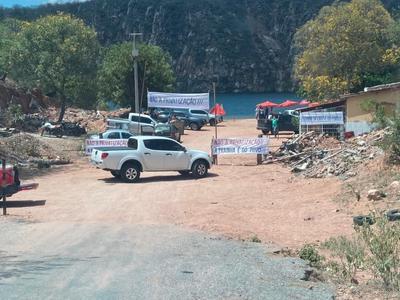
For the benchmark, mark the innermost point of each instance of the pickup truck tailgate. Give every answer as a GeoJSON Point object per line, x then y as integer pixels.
{"type": "Point", "coordinates": [108, 157]}
{"type": "Point", "coordinates": [95, 157]}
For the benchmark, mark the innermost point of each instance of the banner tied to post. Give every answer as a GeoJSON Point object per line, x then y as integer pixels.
{"type": "Point", "coordinates": [322, 118]}
{"type": "Point", "coordinates": [240, 146]}
{"type": "Point", "coordinates": [91, 144]}
{"type": "Point", "coordinates": [173, 100]}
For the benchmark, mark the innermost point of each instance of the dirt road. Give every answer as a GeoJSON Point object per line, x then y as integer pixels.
{"type": "Point", "coordinates": [238, 199]}
{"type": "Point", "coordinates": [168, 236]}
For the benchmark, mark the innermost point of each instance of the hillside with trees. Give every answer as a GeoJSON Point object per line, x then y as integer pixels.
{"type": "Point", "coordinates": [244, 45]}
{"type": "Point", "coordinates": [347, 47]}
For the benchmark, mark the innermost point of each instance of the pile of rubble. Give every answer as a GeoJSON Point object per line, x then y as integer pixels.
{"type": "Point", "coordinates": [91, 120]}
{"type": "Point", "coordinates": [6, 132]}
{"type": "Point", "coordinates": [26, 149]}
{"type": "Point", "coordinates": [317, 155]}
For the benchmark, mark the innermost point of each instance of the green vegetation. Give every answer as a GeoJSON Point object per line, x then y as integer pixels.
{"type": "Point", "coordinates": [8, 30]}
{"type": "Point", "coordinates": [391, 141]}
{"type": "Point", "coordinates": [383, 119]}
{"type": "Point", "coordinates": [310, 253]}
{"type": "Point", "coordinates": [383, 251]}
{"type": "Point", "coordinates": [57, 54]}
{"type": "Point", "coordinates": [12, 115]}
{"type": "Point", "coordinates": [115, 76]}
{"type": "Point", "coordinates": [255, 239]}
{"type": "Point", "coordinates": [61, 55]}
{"type": "Point", "coordinates": [350, 254]}
{"type": "Point", "coordinates": [380, 119]}
{"type": "Point", "coordinates": [373, 248]}
{"type": "Point", "coordinates": [346, 47]}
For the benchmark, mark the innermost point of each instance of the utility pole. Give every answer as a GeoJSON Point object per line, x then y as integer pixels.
{"type": "Point", "coordinates": [215, 156]}
{"type": "Point", "coordinates": [215, 122]}
{"type": "Point", "coordinates": [135, 55]}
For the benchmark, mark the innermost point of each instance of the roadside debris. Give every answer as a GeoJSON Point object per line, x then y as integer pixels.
{"type": "Point", "coordinates": [74, 120]}
{"type": "Point", "coordinates": [28, 150]}
{"type": "Point", "coordinates": [316, 155]}
{"type": "Point", "coordinates": [6, 132]}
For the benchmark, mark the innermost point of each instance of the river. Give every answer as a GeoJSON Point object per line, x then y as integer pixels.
{"type": "Point", "coordinates": [242, 106]}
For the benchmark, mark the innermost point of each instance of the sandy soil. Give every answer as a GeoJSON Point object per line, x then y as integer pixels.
{"type": "Point", "coordinates": [238, 199]}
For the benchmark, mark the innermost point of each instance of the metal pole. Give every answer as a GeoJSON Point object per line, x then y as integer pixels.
{"type": "Point", "coordinates": [3, 163]}
{"type": "Point", "coordinates": [215, 121]}
{"type": "Point", "coordinates": [135, 55]}
{"type": "Point", "coordinates": [136, 87]}
{"type": "Point", "coordinates": [215, 156]}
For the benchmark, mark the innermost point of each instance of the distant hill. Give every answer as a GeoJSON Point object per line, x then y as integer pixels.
{"type": "Point", "coordinates": [244, 44]}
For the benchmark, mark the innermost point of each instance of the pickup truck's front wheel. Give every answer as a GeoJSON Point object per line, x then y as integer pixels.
{"type": "Point", "coordinates": [199, 169]}
{"type": "Point", "coordinates": [130, 173]}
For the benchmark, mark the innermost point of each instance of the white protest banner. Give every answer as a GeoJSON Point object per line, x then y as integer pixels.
{"type": "Point", "coordinates": [172, 100]}
{"type": "Point", "coordinates": [321, 118]}
{"type": "Point", "coordinates": [91, 144]}
{"type": "Point", "coordinates": [240, 146]}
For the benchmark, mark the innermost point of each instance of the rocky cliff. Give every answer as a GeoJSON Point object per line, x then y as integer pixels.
{"type": "Point", "coordinates": [244, 45]}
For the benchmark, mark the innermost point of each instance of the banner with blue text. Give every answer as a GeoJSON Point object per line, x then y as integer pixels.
{"type": "Point", "coordinates": [91, 144]}
{"type": "Point", "coordinates": [321, 118]}
{"type": "Point", "coordinates": [173, 100]}
{"type": "Point", "coordinates": [240, 146]}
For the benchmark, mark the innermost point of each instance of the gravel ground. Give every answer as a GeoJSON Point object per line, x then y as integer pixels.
{"type": "Point", "coordinates": [142, 262]}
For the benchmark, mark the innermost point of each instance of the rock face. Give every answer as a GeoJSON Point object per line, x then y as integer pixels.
{"type": "Point", "coordinates": [243, 45]}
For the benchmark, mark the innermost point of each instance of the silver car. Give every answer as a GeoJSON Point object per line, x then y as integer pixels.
{"type": "Point", "coordinates": [114, 134]}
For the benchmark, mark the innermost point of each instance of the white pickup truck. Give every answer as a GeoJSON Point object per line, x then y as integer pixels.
{"type": "Point", "coordinates": [135, 123]}
{"type": "Point", "coordinates": [151, 153]}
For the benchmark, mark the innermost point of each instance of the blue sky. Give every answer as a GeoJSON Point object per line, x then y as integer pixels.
{"type": "Point", "coordinates": [11, 3]}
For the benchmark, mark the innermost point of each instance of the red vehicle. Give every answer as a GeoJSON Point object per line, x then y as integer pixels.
{"type": "Point", "coordinates": [10, 183]}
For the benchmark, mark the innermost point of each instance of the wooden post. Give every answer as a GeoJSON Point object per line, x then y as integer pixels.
{"type": "Point", "coordinates": [3, 163]}
{"type": "Point", "coordinates": [214, 156]}
{"type": "Point", "coordinates": [259, 156]}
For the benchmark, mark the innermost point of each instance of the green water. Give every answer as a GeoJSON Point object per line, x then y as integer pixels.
{"type": "Point", "coordinates": [242, 106]}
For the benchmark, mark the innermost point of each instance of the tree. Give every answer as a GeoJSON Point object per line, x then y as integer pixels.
{"type": "Point", "coordinates": [115, 77]}
{"type": "Point", "coordinates": [343, 49]}
{"type": "Point", "coordinates": [58, 54]}
{"type": "Point", "coordinates": [8, 31]}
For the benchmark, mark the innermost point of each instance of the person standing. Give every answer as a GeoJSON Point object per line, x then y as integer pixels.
{"type": "Point", "coordinates": [275, 126]}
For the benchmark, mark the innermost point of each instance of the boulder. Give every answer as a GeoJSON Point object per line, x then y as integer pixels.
{"type": "Point", "coordinates": [395, 185]}
{"type": "Point", "coordinates": [375, 195]}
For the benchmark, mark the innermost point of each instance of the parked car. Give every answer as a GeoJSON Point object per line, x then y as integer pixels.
{"type": "Point", "coordinates": [137, 123]}
{"type": "Point", "coordinates": [115, 134]}
{"type": "Point", "coordinates": [210, 118]}
{"type": "Point", "coordinates": [191, 122]}
{"type": "Point", "coordinates": [286, 122]}
{"type": "Point", "coordinates": [151, 153]}
{"type": "Point", "coordinates": [167, 130]}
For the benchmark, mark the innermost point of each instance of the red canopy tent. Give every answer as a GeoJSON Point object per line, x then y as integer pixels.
{"type": "Point", "coordinates": [304, 102]}
{"type": "Point", "coordinates": [218, 110]}
{"type": "Point", "coordinates": [313, 104]}
{"type": "Point", "coordinates": [267, 104]}
{"type": "Point", "coordinates": [288, 103]}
